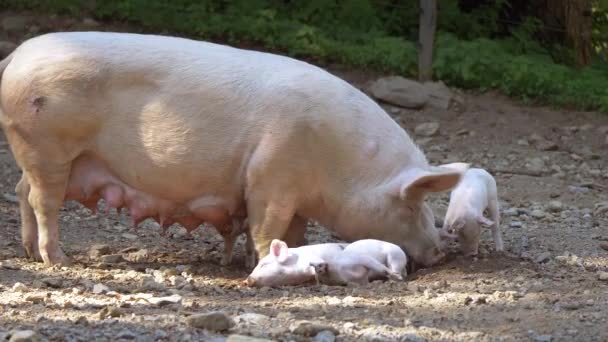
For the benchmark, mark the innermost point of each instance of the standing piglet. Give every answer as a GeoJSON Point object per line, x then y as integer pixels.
{"type": "Point", "coordinates": [188, 132]}
{"type": "Point", "coordinates": [475, 193]}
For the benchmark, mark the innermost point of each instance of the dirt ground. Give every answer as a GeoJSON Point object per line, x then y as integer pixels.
{"type": "Point", "coordinates": [547, 286]}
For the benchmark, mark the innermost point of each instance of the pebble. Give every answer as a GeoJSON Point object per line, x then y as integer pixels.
{"type": "Point", "coordinates": [602, 275]}
{"type": "Point", "coordinates": [555, 206]}
{"type": "Point", "coordinates": [543, 338]}
{"type": "Point", "coordinates": [308, 328]}
{"type": "Point", "coordinates": [34, 298]}
{"type": "Point", "coordinates": [53, 282]}
{"type": "Point", "coordinates": [130, 236]}
{"type": "Point", "coordinates": [98, 250]}
{"type": "Point", "coordinates": [160, 334]}
{"type": "Point", "coordinates": [542, 257]}
{"type": "Point", "coordinates": [24, 336]}
{"type": "Point", "coordinates": [604, 245]}
{"type": "Point", "coordinates": [253, 318]}
{"type": "Point", "coordinates": [536, 165]}
{"type": "Point", "coordinates": [510, 212]}
{"type": "Point", "coordinates": [538, 214]}
{"type": "Point", "coordinates": [515, 224]}
{"type": "Point", "coordinates": [162, 301]}
{"type": "Point", "coordinates": [325, 336]}
{"type": "Point", "coordinates": [112, 259]}
{"type": "Point", "coordinates": [10, 198]}
{"type": "Point", "coordinates": [110, 311]}
{"type": "Point", "coordinates": [427, 129]}
{"type": "Point", "coordinates": [213, 321]}
{"type": "Point", "coordinates": [243, 338]}
{"type": "Point", "coordinates": [100, 288]}
{"type": "Point", "coordinates": [141, 255]}
{"type": "Point", "coordinates": [19, 287]}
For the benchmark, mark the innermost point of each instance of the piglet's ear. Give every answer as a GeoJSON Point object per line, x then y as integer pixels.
{"type": "Point", "coordinates": [279, 250]}
{"type": "Point", "coordinates": [484, 221]}
{"type": "Point", "coordinates": [416, 183]}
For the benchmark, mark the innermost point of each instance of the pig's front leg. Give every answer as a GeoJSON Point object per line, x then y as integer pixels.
{"type": "Point", "coordinates": [249, 250]}
{"type": "Point", "coordinates": [295, 235]}
{"type": "Point", "coordinates": [495, 215]}
{"type": "Point", "coordinates": [46, 195]}
{"type": "Point", "coordinates": [29, 226]}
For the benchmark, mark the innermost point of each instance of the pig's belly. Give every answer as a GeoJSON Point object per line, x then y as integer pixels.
{"type": "Point", "coordinates": [91, 179]}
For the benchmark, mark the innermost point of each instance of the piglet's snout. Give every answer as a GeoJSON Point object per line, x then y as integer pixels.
{"type": "Point", "coordinates": [250, 281]}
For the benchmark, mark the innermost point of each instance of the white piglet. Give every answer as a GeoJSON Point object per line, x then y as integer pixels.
{"type": "Point", "coordinates": [475, 193]}
{"type": "Point", "coordinates": [330, 263]}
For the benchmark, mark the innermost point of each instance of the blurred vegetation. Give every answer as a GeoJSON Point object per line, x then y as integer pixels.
{"type": "Point", "coordinates": [519, 47]}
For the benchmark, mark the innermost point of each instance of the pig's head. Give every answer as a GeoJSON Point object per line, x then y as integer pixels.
{"type": "Point", "coordinates": [468, 230]}
{"type": "Point", "coordinates": [281, 267]}
{"type": "Point", "coordinates": [410, 222]}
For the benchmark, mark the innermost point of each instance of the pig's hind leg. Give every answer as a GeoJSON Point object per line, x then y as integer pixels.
{"type": "Point", "coordinates": [495, 227]}
{"type": "Point", "coordinates": [397, 263]}
{"type": "Point", "coordinates": [29, 226]}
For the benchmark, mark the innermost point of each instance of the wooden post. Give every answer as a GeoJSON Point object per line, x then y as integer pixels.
{"type": "Point", "coordinates": [426, 39]}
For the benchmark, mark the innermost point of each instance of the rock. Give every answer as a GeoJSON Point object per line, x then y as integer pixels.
{"type": "Point", "coordinates": [15, 23]}
{"type": "Point", "coordinates": [213, 321]}
{"type": "Point", "coordinates": [24, 336]}
{"type": "Point", "coordinates": [400, 91]}
{"type": "Point", "coordinates": [555, 206]}
{"type": "Point", "coordinates": [536, 165]}
{"type": "Point", "coordinates": [141, 255]}
{"type": "Point", "coordinates": [35, 298]}
{"type": "Point", "coordinates": [510, 212]}
{"type": "Point", "coordinates": [10, 198]}
{"type": "Point", "coordinates": [412, 338]}
{"type": "Point", "coordinates": [308, 328]}
{"type": "Point", "coordinates": [110, 311]}
{"type": "Point", "coordinates": [162, 301]}
{"type": "Point", "coordinates": [253, 318]}
{"type": "Point", "coordinates": [55, 283]}
{"type": "Point", "coordinates": [325, 336]}
{"type": "Point", "coordinates": [543, 257]}
{"type": "Point", "coordinates": [604, 245]}
{"type": "Point", "coordinates": [243, 338]}
{"type": "Point", "coordinates": [427, 129]}
{"type": "Point", "coordinates": [130, 236]}
{"type": "Point", "coordinates": [546, 145]}
{"type": "Point", "coordinates": [126, 334]}
{"type": "Point", "coordinates": [160, 334]}
{"type": "Point", "coordinates": [439, 95]}
{"type": "Point", "coordinates": [602, 275]}
{"type": "Point", "coordinates": [100, 288]}
{"type": "Point", "coordinates": [20, 287]}
{"type": "Point", "coordinates": [543, 338]}
{"type": "Point", "coordinates": [112, 259]}
{"type": "Point", "coordinates": [6, 48]}
{"type": "Point", "coordinates": [97, 251]}
{"type": "Point", "coordinates": [515, 224]}
{"type": "Point", "coordinates": [538, 214]}
{"type": "Point", "coordinates": [150, 284]}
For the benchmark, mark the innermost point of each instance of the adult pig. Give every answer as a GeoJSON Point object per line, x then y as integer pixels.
{"type": "Point", "coordinates": [189, 132]}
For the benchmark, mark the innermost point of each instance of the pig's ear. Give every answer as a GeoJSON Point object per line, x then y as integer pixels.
{"type": "Point", "coordinates": [453, 166]}
{"type": "Point", "coordinates": [279, 250]}
{"type": "Point", "coordinates": [482, 220]}
{"type": "Point", "coordinates": [416, 183]}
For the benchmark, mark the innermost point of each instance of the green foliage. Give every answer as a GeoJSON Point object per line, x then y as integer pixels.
{"type": "Point", "coordinates": [477, 53]}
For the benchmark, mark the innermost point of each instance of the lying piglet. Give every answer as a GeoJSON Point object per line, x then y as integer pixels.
{"type": "Point", "coordinates": [329, 263]}
{"type": "Point", "coordinates": [475, 193]}
{"type": "Point", "coordinates": [363, 261]}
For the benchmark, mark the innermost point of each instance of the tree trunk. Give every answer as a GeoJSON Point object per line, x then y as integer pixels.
{"type": "Point", "coordinates": [575, 17]}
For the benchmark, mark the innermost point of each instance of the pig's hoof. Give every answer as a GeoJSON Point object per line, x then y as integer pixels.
{"type": "Point", "coordinates": [32, 252]}
{"type": "Point", "coordinates": [57, 258]}
{"type": "Point", "coordinates": [395, 276]}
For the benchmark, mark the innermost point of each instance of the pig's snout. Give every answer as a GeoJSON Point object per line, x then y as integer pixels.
{"type": "Point", "coordinates": [250, 281]}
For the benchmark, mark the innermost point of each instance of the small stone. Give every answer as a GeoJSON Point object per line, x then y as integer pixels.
{"type": "Point", "coordinates": [10, 198]}
{"type": "Point", "coordinates": [24, 336]}
{"type": "Point", "coordinates": [20, 287]}
{"type": "Point", "coordinates": [130, 236]}
{"type": "Point", "coordinates": [34, 298]}
{"type": "Point", "coordinates": [547, 145]}
{"type": "Point", "coordinates": [467, 300]}
{"type": "Point", "coordinates": [126, 334]}
{"type": "Point", "coordinates": [481, 300]}
{"type": "Point", "coordinates": [543, 257]}
{"type": "Point", "coordinates": [100, 288]}
{"type": "Point", "coordinates": [98, 250]}
{"type": "Point", "coordinates": [604, 245]}
{"type": "Point", "coordinates": [536, 165]}
{"type": "Point", "coordinates": [253, 318]}
{"type": "Point", "coordinates": [162, 301]}
{"type": "Point", "coordinates": [325, 336]}
{"type": "Point", "coordinates": [112, 259]}
{"type": "Point", "coordinates": [427, 129]}
{"type": "Point", "coordinates": [572, 306]}
{"type": "Point", "coordinates": [555, 206]}
{"type": "Point", "coordinates": [55, 283]}
{"type": "Point", "coordinates": [538, 214]}
{"type": "Point", "coordinates": [309, 329]}
{"type": "Point", "coordinates": [243, 338]}
{"type": "Point", "coordinates": [515, 224]}
{"type": "Point", "coordinates": [110, 311]}
{"type": "Point", "coordinates": [510, 212]}
{"type": "Point", "coordinates": [543, 338]}
{"type": "Point", "coordinates": [160, 334]}
{"type": "Point", "coordinates": [602, 275]}
{"type": "Point", "coordinates": [400, 91]}
{"type": "Point", "coordinates": [141, 255]}
{"type": "Point", "coordinates": [213, 321]}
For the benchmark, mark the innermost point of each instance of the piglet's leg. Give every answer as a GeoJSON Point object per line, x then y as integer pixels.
{"type": "Point", "coordinates": [374, 265]}
{"type": "Point", "coordinates": [47, 191]}
{"type": "Point", "coordinates": [495, 215]}
{"type": "Point", "coordinates": [29, 226]}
